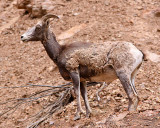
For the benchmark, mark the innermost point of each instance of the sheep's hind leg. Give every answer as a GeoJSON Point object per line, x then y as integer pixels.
{"type": "Point", "coordinates": [129, 89]}
{"type": "Point", "coordinates": [134, 73]}
{"type": "Point", "coordinates": [85, 98]}
{"type": "Point", "coordinates": [99, 90]}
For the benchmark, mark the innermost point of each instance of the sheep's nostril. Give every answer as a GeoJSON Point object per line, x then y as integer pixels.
{"type": "Point", "coordinates": [21, 37]}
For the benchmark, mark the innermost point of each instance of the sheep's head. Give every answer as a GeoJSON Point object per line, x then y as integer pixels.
{"type": "Point", "coordinates": [37, 32]}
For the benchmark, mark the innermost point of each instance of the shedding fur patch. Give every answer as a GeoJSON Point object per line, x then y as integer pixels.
{"type": "Point", "coordinates": [94, 57]}
{"type": "Point", "coordinates": [98, 58]}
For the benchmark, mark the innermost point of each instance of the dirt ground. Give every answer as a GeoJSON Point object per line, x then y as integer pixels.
{"type": "Point", "coordinates": [136, 21]}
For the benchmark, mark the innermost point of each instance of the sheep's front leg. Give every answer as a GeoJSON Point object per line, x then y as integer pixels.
{"type": "Point", "coordinates": [85, 98]}
{"type": "Point", "coordinates": [76, 83]}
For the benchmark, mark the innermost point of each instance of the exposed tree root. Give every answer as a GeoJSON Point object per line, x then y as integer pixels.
{"type": "Point", "coordinates": [63, 93]}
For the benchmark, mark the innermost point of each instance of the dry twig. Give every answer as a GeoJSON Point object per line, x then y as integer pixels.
{"type": "Point", "coordinates": [62, 92]}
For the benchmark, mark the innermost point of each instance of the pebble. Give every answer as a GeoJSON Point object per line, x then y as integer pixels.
{"type": "Point", "coordinates": [117, 98]}
{"type": "Point", "coordinates": [157, 13]}
{"type": "Point", "coordinates": [94, 104]}
{"type": "Point", "coordinates": [51, 122]}
{"type": "Point", "coordinates": [51, 68]}
{"type": "Point", "coordinates": [148, 113]}
{"type": "Point", "coordinates": [142, 86]}
{"type": "Point", "coordinates": [139, 7]}
{"type": "Point", "coordinates": [157, 99]}
{"type": "Point", "coordinates": [153, 56]}
{"type": "Point", "coordinates": [145, 97]}
{"type": "Point", "coordinates": [116, 91]}
{"type": "Point", "coordinates": [109, 98]}
{"type": "Point", "coordinates": [76, 14]}
{"type": "Point", "coordinates": [48, 82]}
{"type": "Point", "coordinates": [123, 100]}
{"type": "Point", "coordinates": [106, 2]}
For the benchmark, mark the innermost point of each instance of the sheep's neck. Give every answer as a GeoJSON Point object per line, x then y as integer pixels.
{"type": "Point", "coordinates": [51, 46]}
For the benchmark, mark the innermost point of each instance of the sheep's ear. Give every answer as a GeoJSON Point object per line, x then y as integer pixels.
{"type": "Point", "coordinates": [47, 23]}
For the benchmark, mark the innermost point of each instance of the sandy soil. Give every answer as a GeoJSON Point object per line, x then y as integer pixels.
{"type": "Point", "coordinates": [135, 21]}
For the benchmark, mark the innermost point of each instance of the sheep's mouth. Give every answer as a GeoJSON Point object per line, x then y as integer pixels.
{"type": "Point", "coordinates": [25, 40]}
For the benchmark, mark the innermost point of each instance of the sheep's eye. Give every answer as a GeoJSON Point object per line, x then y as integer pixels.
{"type": "Point", "coordinates": [38, 28]}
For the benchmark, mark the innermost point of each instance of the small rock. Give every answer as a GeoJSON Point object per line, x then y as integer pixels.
{"type": "Point", "coordinates": [48, 5]}
{"type": "Point", "coordinates": [148, 89]}
{"type": "Point", "coordinates": [105, 101]}
{"type": "Point", "coordinates": [51, 68]}
{"type": "Point", "coordinates": [153, 56]}
{"type": "Point", "coordinates": [95, 104]}
{"type": "Point", "coordinates": [152, 13]}
{"type": "Point", "coordinates": [37, 11]}
{"type": "Point", "coordinates": [157, 13]}
{"type": "Point", "coordinates": [51, 122]}
{"type": "Point", "coordinates": [117, 98]}
{"type": "Point", "coordinates": [139, 7]}
{"type": "Point", "coordinates": [151, 97]}
{"type": "Point", "coordinates": [48, 82]}
{"type": "Point", "coordinates": [61, 42]}
{"type": "Point", "coordinates": [109, 98]}
{"type": "Point", "coordinates": [117, 109]}
{"type": "Point", "coordinates": [158, 30]}
{"type": "Point", "coordinates": [101, 122]}
{"type": "Point", "coordinates": [142, 86]}
{"type": "Point", "coordinates": [76, 14]}
{"type": "Point", "coordinates": [21, 4]}
{"type": "Point", "coordinates": [145, 97]}
{"type": "Point", "coordinates": [120, 116]}
{"type": "Point", "coordinates": [157, 99]}
{"type": "Point", "coordinates": [115, 91]}
{"type": "Point", "coordinates": [106, 2]}
{"type": "Point", "coordinates": [123, 100]}
{"type": "Point", "coordinates": [119, 35]}
{"type": "Point", "coordinates": [148, 113]}
{"type": "Point", "coordinates": [91, 96]}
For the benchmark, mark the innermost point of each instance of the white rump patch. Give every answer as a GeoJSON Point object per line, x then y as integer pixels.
{"type": "Point", "coordinates": [137, 54]}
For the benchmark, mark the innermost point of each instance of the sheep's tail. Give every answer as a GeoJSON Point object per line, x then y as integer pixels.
{"type": "Point", "coordinates": [144, 52]}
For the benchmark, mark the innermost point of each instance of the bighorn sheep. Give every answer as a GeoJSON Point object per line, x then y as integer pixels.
{"type": "Point", "coordinates": [80, 62]}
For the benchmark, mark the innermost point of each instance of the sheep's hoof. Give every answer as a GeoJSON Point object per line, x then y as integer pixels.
{"type": "Point", "coordinates": [77, 117]}
{"type": "Point", "coordinates": [133, 104]}
{"type": "Point", "coordinates": [132, 108]}
{"type": "Point", "coordinates": [88, 114]}
{"type": "Point", "coordinates": [78, 114]}
{"type": "Point", "coordinates": [82, 111]}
